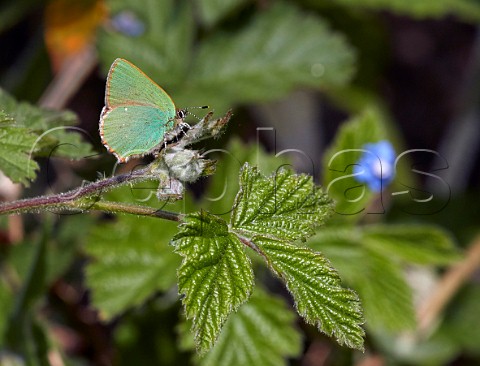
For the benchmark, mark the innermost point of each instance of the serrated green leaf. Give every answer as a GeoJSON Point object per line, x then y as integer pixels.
{"type": "Point", "coordinates": [469, 10]}
{"type": "Point", "coordinates": [131, 259]}
{"type": "Point", "coordinates": [163, 51]}
{"type": "Point", "coordinates": [211, 11]}
{"type": "Point", "coordinates": [420, 244]}
{"type": "Point", "coordinates": [224, 185]}
{"type": "Point", "coordinates": [15, 146]}
{"type": "Point", "coordinates": [315, 287]}
{"type": "Point", "coordinates": [215, 276]}
{"type": "Point", "coordinates": [275, 211]}
{"type": "Point", "coordinates": [351, 197]}
{"type": "Point", "coordinates": [282, 48]}
{"type": "Point", "coordinates": [261, 333]}
{"type": "Point", "coordinates": [285, 205]}
{"type": "Point", "coordinates": [56, 134]}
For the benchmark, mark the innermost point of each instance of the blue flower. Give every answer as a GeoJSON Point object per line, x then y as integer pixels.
{"type": "Point", "coordinates": [376, 166]}
{"type": "Point", "coordinates": [127, 22]}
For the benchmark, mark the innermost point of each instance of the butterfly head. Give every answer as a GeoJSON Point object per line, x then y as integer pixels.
{"type": "Point", "coordinates": [181, 114]}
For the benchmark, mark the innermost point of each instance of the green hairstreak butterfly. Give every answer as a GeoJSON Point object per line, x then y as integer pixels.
{"type": "Point", "coordinates": [138, 114]}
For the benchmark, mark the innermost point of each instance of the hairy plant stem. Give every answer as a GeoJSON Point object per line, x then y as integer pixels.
{"type": "Point", "coordinates": [88, 197]}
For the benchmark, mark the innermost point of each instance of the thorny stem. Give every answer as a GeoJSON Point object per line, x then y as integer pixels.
{"type": "Point", "coordinates": [87, 198]}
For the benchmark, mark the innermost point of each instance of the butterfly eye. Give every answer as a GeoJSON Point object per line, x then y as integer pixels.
{"type": "Point", "coordinates": [182, 113]}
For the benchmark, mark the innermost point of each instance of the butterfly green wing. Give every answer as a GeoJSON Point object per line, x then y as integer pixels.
{"type": "Point", "coordinates": [128, 85]}
{"type": "Point", "coordinates": [137, 112]}
{"type": "Point", "coordinates": [134, 130]}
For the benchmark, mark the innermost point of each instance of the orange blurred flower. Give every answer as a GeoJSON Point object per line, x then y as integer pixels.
{"type": "Point", "coordinates": [70, 26]}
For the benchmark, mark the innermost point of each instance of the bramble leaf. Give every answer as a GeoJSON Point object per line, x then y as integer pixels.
{"type": "Point", "coordinates": [315, 287]}
{"type": "Point", "coordinates": [285, 205]}
{"type": "Point", "coordinates": [15, 146]}
{"type": "Point", "coordinates": [55, 131]}
{"type": "Point", "coordinates": [462, 324]}
{"type": "Point", "coordinates": [162, 58]}
{"type": "Point", "coordinates": [131, 259]}
{"type": "Point", "coordinates": [422, 244]}
{"type": "Point", "coordinates": [224, 184]}
{"type": "Point", "coordinates": [273, 213]}
{"type": "Point", "coordinates": [280, 49]}
{"type": "Point", "coordinates": [260, 333]}
{"type": "Point", "coordinates": [211, 11]}
{"type": "Point", "coordinates": [215, 276]}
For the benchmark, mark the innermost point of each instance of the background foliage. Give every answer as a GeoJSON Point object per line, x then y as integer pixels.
{"type": "Point", "coordinates": [96, 288]}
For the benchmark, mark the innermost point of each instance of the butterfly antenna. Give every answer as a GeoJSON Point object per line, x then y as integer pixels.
{"type": "Point", "coordinates": [193, 114]}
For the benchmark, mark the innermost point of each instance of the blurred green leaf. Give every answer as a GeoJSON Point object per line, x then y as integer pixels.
{"type": "Point", "coordinates": [216, 276]}
{"type": "Point", "coordinates": [12, 12]}
{"type": "Point", "coordinates": [280, 49]}
{"type": "Point", "coordinates": [131, 259]}
{"type": "Point", "coordinates": [18, 284]}
{"type": "Point", "coordinates": [6, 303]}
{"type": "Point", "coordinates": [369, 259]}
{"type": "Point", "coordinates": [212, 11]}
{"type": "Point", "coordinates": [56, 134]}
{"type": "Point", "coordinates": [352, 198]}
{"type": "Point", "coordinates": [18, 328]}
{"type": "Point", "coordinates": [147, 336]}
{"type": "Point", "coordinates": [386, 297]}
{"type": "Point", "coordinates": [372, 276]}
{"type": "Point", "coordinates": [65, 244]}
{"type": "Point", "coordinates": [407, 349]}
{"type": "Point", "coordinates": [27, 271]}
{"type": "Point", "coordinates": [163, 51]}
{"type": "Point", "coordinates": [15, 158]}
{"type": "Point", "coordinates": [462, 323]}
{"type": "Point", "coordinates": [466, 9]}
{"type": "Point", "coordinates": [421, 244]}
{"type": "Point", "coordinates": [261, 333]}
